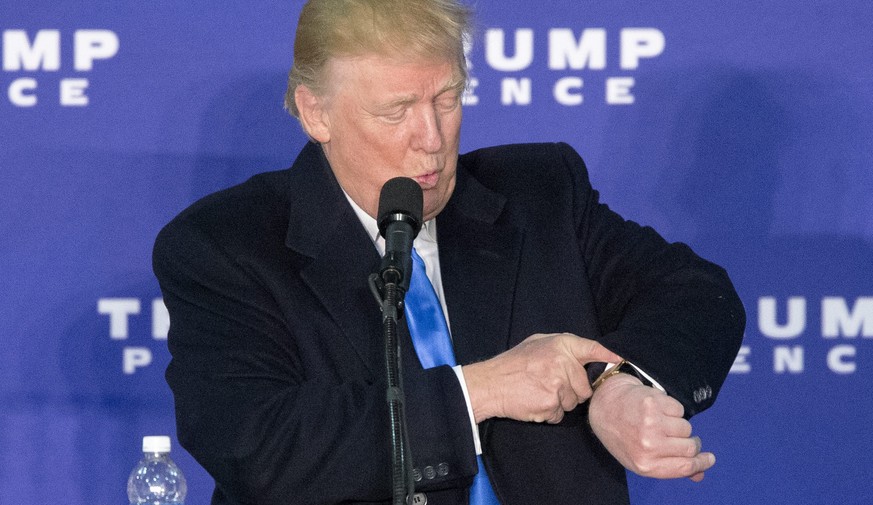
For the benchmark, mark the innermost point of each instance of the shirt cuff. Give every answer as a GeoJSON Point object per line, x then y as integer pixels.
{"type": "Point", "coordinates": [473, 426]}
{"type": "Point", "coordinates": [609, 366]}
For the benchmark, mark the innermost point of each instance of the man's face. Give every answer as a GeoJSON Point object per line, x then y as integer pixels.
{"type": "Point", "coordinates": [385, 118]}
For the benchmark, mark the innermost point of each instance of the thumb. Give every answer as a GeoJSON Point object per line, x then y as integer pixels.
{"type": "Point", "coordinates": [589, 351]}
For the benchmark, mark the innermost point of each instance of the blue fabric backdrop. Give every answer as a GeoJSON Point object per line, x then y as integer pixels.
{"type": "Point", "coordinates": [741, 128]}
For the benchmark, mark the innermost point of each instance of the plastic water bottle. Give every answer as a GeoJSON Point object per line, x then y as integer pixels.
{"type": "Point", "coordinates": [156, 480]}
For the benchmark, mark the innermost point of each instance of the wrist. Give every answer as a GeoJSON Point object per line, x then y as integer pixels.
{"type": "Point", "coordinates": [479, 390]}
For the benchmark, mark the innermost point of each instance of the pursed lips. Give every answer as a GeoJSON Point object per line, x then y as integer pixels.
{"type": "Point", "coordinates": [428, 180]}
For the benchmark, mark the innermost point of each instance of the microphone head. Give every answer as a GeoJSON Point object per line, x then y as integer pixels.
{"type": "Point", "coordinates": [400, 200]}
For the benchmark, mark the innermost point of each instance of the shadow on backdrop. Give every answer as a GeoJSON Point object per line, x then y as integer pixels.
{"type": "Point", "coordinates": [747, 142]}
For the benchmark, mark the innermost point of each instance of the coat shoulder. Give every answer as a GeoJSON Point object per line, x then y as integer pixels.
{"type": "Point", "coordinates": [242, 214]}
{"type": "Point", "coordinates": [535, 171]}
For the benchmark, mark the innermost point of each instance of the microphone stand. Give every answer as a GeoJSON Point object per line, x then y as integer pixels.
{"type": "Point", "coordinates": [389, 294]}
{"type": "Point", "coordinates": [400, 214]}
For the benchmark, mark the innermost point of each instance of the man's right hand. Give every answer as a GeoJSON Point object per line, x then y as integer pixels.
{"type": "Point", "coordinates": [538, 380]}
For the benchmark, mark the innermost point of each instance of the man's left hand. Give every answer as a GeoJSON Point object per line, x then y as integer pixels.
{"type": "Point", "coordinates": [644, 430]}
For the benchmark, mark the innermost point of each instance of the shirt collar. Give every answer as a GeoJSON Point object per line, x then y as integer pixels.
{"type": "Point", "coordinates": [427, 233]}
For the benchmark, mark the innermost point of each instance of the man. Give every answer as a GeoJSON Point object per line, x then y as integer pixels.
{"type": "Point", "coordinates": [276, 340]}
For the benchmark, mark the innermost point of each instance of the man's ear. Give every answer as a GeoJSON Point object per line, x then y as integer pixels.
{"type": "Point", "coordinates": [313, 117]}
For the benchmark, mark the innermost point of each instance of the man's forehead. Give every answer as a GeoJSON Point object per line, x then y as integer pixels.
{"type": "Point", "coordinates": [396, 73]}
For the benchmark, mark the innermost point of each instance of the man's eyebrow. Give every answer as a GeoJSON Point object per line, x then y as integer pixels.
{"type": "Point", "coordinates": [400, 101]}
{"type": "Point", "coordinates": [455, 85]}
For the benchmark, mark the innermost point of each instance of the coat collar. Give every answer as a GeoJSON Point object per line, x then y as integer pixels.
{"type": "Point", "coordinates": [318, 208]}
{"type": "Point", "coordinates": [340, 256]}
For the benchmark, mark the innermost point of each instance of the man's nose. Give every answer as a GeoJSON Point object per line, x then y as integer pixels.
{"type": "Point", "coordinates": [428, 135]}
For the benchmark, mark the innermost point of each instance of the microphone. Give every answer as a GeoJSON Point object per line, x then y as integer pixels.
{"type": "Point", "coordinates": [400, 209]}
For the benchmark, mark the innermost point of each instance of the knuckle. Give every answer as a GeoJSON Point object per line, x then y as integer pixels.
{"type": "Point", "coordinates": [644, 467]}
{"type": "Point", "coordinates": [549, 403]}
{"type": "Point", "coordinates": [689, 466]}
{"type": "Point", "coordinates": [649, 404]}
{"type": "Point", "coordinates": [647, 444]}
{"type": "Point", "coordinates": [555, 383]}
{"type": "Point", "coordinates": [648, 422]}
{"type": "Point", "coordinates": [686, 430]}
{"type": "Point", "coordinates": [673, 404]}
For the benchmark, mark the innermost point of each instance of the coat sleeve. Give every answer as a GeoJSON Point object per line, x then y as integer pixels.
{"type": "Point", "coordinates": [266, 428]}
{"type": "Point", "coordinates": [659, 305]}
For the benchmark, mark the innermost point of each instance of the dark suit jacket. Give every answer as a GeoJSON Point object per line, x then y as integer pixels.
{"type": "Point", "coordinates": [277, 366]}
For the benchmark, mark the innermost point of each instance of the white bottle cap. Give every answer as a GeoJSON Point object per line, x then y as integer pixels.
{"type": "Point", "coordinates": [159, 444]}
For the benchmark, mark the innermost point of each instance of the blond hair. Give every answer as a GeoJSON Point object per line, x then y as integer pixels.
{"type": "Point", "coordinates": [346, 28]}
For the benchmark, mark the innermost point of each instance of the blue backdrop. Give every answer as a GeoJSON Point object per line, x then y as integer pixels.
{"type": "Point", "coordinates": [741, 128]}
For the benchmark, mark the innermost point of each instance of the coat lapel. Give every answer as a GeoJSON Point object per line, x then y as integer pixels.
{"type": "Point", "coordinates": [324, 228]}
{"type": "Point", "coordinates": [479, 257]}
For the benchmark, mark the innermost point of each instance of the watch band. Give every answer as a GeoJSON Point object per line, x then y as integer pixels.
{"type": "Point", "coordinates": [622, 367]}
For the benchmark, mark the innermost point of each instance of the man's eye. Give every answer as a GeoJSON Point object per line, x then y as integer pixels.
{"type": "Point", "coordinates": [395, 116]}
{"type": "Point", "coordinates": [448, 103]}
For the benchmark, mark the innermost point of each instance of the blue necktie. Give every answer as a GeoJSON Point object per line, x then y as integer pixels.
{"type": "Point", "coordinates": [430, 336]}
